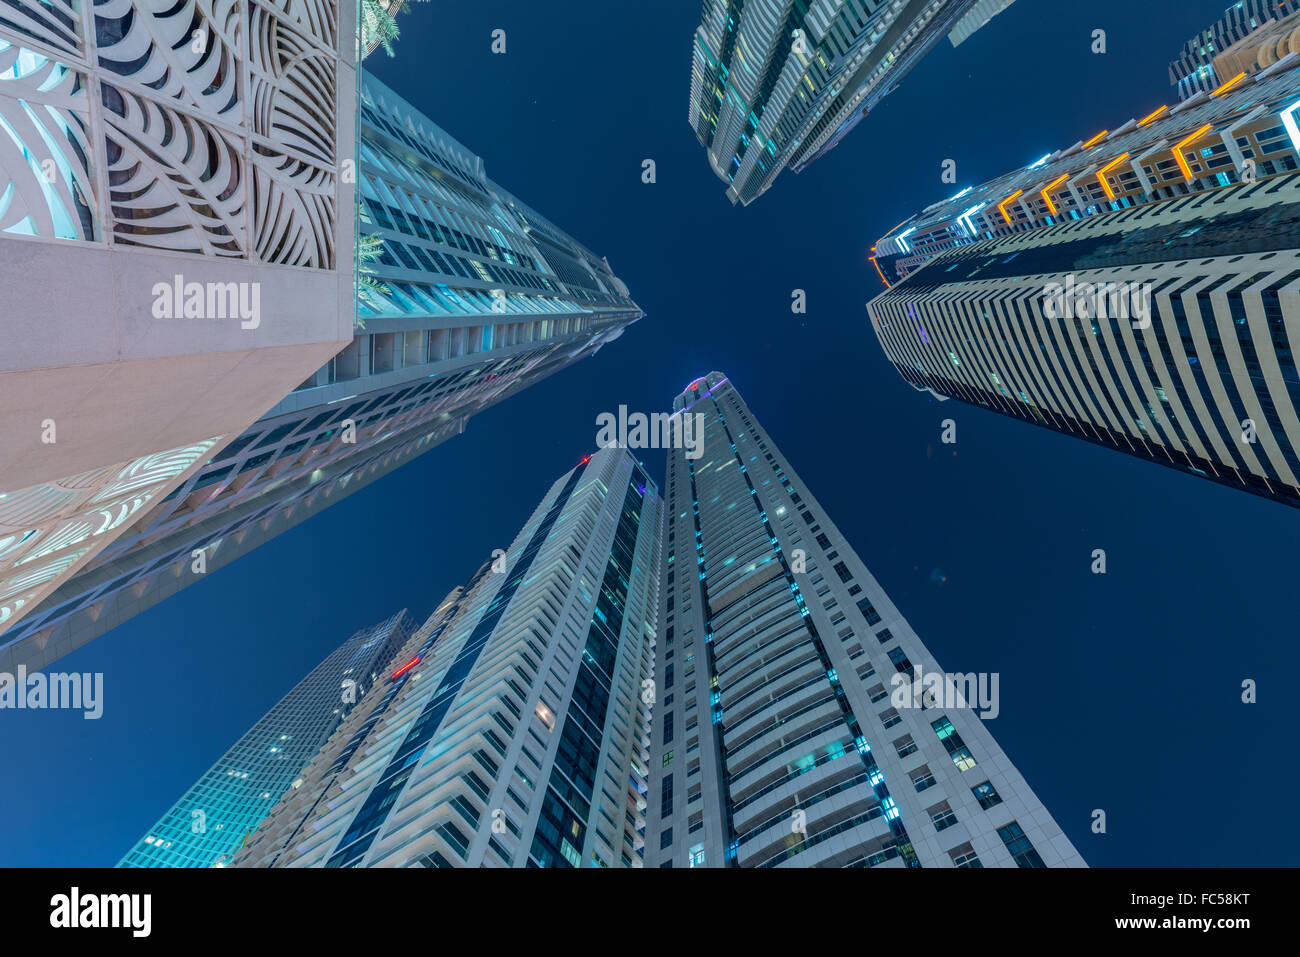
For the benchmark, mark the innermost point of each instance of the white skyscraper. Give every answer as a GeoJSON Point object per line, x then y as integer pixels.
{"type": "Point", "coordinates": [777, 83]}
{"type": "Point", "coordinates": [1137, 290]}
{"type": "Point", "coordinates": [514, 733]}
{"type": "Point", "coordinates": [176, 254]}
{"type": "Point", "coordinates": [798, 722]}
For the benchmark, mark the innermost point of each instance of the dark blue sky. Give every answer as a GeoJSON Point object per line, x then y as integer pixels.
{"type": "Point", "coordinates": [1119, 692]}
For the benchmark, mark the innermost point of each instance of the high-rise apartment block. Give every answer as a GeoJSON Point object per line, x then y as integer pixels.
{"type": "Point", "coordinates": [1251, 35]}
{"type": "Point", "coordinates": [176, 255]}
{"type": "Point", "coordinates": [213, 818]}
{"type": "Point", "coordinates": [513, 731]}
{"type": "Point", "coordinates": [469, 296]}
{"type": "Point", "coordinates": [778, 83]}
{"type": "Point", "coordinates": [975, 19]}
{"type": "Point", "coordinates": [789, 728]}
{"type": "Point", "coordinates": [544, 717]}
{"type": "Point", "coordinates": [1140, 290]}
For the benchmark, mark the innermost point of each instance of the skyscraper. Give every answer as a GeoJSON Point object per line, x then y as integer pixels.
{"type": "Point", "coordinates": [471, 296]}
{"type": "Point", "coordinates": [790, 728]}
{"type": "Point", "coordinates": [1199, 68]}
{"type": "Point", "coordinates": [777, 83]}
{"type": "Point", "coordinates": [215, 816]}
{"type": "Point", "coordinates": [176, 246]}
{"type": "Point", "coordinates": [1138, 290]}
{"type": "Point", "coordinates": [513, 734]}
{"type": "Point", "coordinates": [975, 19]}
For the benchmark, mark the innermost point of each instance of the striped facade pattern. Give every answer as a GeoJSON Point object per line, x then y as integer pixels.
{"type": "Point", "coordinates": [516, 737]}
{"type": "Point", "coordinates": [776, 740]}
{"type": "Point", "coordinates": [1209, 384]}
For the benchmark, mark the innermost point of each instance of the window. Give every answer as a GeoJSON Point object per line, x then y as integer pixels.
{"type": "Point", "coordinates": [953, 743]}
{"type": "Point", "coordinates": [545, 715]}
{"type": "Point", "coordinates": [697, 855]}
{"type": "Point", "coordinates": [843, 571]}
{"type": "Point", "coordinates": [901, 662]}
{"type": "Point", "coordinates": [1018, 846]}
{"type": "Point", "coordinates": [905, 746]}
{"type": "Point", "coordinates": [986, 794]}
{"type": "Point", "coordinates": [884, 637]}
{"type": "Point", "coordinates": [942, 816]}
{"type": "Point", "coordinates": [666, 838]}
{"type": "Point", "coordinates": [964, 856]}
{"type": "Point", "coordinates": [922, 778]}
{"type": "Point", "coordinates": [867, 609]}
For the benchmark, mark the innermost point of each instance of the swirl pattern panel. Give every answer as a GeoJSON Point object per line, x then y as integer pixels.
{"type": "Point", "coordinates": [204, 127]}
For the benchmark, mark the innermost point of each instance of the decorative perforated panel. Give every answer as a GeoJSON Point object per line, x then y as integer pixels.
{"type": "Point", "coordinates": [205, 126]}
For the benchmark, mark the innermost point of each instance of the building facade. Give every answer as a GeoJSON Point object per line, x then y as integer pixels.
{"type": "Point", "coordinates": [1197, 68]}
{"type": "Point", "coordinates": [514, 733]}
{"type": "Point", "coordinates": [777, 83]}
{"type": "Point", "coordinates": [176, 255]}
{"type": "Point", "coordinates": [471, 296]}
{"type": "Point", "coordinates": [1138, 291]}
{"type": "Point", "coordinates": [975, 19]}
{"type": "Point", "coordinates": [787, 730]}
{"type": "Point", "coordinates": [214, 818]}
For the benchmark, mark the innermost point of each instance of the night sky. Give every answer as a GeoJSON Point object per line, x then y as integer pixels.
{"type": "Point", "coordinates": [1119, 691]}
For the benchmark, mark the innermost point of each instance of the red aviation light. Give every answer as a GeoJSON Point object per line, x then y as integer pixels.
{"type": "Point", "coordinates": [405, 668]}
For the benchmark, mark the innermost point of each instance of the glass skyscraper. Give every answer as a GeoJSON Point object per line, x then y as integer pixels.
{"type": "Point", "coordinates": [513, 731]}
{"type": "Point", "coordinates": [470, 297]}
{"type": "Point", "coordinates": [213, 818]}
{"type": "Point", "coordinates": [793, 727]}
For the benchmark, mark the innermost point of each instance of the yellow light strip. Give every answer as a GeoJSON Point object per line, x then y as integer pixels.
{"type": "Point", "coordinates": [1101, 174]}
{"type": "Point", "coordinates": [1095, 139]}
{"type": "Point", "coordinates": [1048, 188]}
{"type": "Point", "coordinates": [1002, 206]}
{"type": "Point", "coordinates": [1152, 116]}
{"type": "Point", "coordinates": [1230, 84]}
{"type": "Point", "coordinates": [882, 275]}
{"type": "Point", "coordinates": [1178, 151]}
